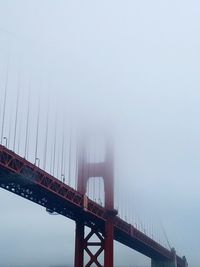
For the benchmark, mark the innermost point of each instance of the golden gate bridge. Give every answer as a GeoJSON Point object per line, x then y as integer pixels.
{"type": "Point", "coordinates": [51, 189]}
{"type": "Point", "coordinates": [34, 168]}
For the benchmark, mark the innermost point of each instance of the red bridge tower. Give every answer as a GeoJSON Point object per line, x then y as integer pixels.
{"type": "Point", "coordinates": [83, 244]}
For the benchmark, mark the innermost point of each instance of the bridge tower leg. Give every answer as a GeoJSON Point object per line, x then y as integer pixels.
{"type": "Point", "coordinates": [104, 245]}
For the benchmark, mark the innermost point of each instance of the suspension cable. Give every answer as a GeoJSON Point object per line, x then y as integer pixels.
{"type": "Point", "coordinates": [165, 235]}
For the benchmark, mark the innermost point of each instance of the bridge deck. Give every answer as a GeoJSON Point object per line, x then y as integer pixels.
{"type": "Point", "coordinates": [21, 177]}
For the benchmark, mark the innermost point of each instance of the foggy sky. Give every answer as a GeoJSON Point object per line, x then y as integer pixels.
{"type": "Point", "coordinates": [132, 67]}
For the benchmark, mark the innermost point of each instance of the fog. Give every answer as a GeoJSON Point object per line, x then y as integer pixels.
{"type": "Point", "coordinates": [127, 68]}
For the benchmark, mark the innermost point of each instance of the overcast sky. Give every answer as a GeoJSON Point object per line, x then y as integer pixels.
{"type": "Point", "coordinates": [130, 66]}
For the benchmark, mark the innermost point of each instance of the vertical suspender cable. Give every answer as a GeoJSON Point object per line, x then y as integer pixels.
{"type": "Point", "coordinates": [65, 159]}
{"type": "Point", "coordinates": [27, 124]}
{"type": "Point", "coordinates": [88, 171]}
{"type": "Point", "coordinates": [46, 139]}
{"type": "Point", "coordinates": [99, 159]}
{"type": "Point", "coordinates": [4, 105]}
{"type": "Point", "coordinates": [99, 182]}
{"type": "Point", "coordinates": [54, 147]}
{"type": "Point", "coordinates": [70, 150]}
{"type": "Point", "coordinates": [37, 133]}
{"type": "Point", "coordinates": [9, 134]}
{"type": "Point", "coordinates": [16, 118]}
{"type": "Point", "coordinates": [63, 148]}
{"type": "Point", "coordinates": [94, 178]}
{"type": "Point", "coordinates": [76, 171]}
{"type": "Point", "coordinates": [19, 136]}
{"type": "Point", "coordinates": [58, 161]}
{"type": "Point", "coordinates": [51, 160]}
